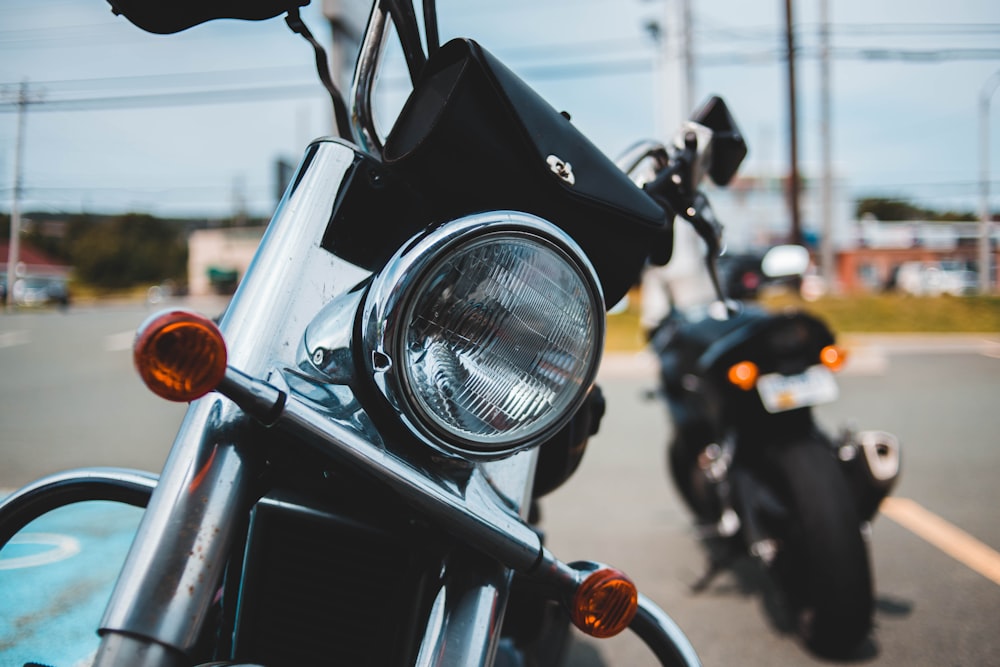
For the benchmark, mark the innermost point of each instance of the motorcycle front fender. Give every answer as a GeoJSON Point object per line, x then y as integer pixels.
{"type": "Point", "coordinates": [133, 487]}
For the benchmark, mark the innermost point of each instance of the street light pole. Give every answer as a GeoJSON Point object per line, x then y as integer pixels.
{"type": "Point", "coordinates": [827, 256]}
{"type": "Point", "coordinates": [985, 214]}
{"type": "Point", "coordinates": [673, 68]}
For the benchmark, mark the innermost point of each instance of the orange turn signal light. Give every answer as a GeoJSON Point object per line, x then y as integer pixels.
{"type": "Point", "coordinates": [744, 375]}
{"type": "Point", "coordinates": [833, 357]}
{"type": "Point", "coordinates": [605, 603]}
{"type": "Point", "coordinates": [180, 356]}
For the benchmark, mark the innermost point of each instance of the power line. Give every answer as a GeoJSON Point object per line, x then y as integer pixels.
{"type": "Point", "coordinates": [189, 98]}
{"type": "Point", "coordinates": [918, 56]}
{"type": "Point", "coordinates": [915, 29]}
{"type": "Point", "coordinates": [537, 71]}
{"type": "Point", "coordinates": [254, 74]}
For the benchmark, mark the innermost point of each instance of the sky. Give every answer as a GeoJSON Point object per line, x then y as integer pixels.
{"type": "Point", "coordinates": [191, 124]}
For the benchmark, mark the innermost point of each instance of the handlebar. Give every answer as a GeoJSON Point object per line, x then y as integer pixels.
{"type": "Point", "coordinates": [674, 184]}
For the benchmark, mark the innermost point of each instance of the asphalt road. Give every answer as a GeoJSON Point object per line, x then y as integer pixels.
{"type": "Point", "coordinates": [937, 394]}
{"type": "Point", "coordinates": [69, 397]}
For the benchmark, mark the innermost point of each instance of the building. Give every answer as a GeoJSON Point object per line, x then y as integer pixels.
{"type": "Point", "coordinates": [868, 253]}
{"type": "Point", "coordinates": [872, 257]}
{"type": "Point", "coordinates": [218, 258]}
{"type": "Point", "coordinates": [40, 278]}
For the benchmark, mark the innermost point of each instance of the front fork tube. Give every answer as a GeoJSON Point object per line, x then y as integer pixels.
{"type": "Point", "coordinates": [173, 571]}
{"type": "Point", "coordinates": [185, 538]}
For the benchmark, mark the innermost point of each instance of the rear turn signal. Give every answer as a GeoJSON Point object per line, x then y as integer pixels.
{"type": "Point", "coordinates": [744, 375]}
{"type": "Point", "coordinates": [605, 603]}
{"type": "Point", "coordinates": [833, 357]}
{"type": "Point", "coordinates": [180, 356]}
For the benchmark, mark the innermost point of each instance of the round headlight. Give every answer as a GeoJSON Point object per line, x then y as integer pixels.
{"type": "Point", "coordinates": [494, 330]}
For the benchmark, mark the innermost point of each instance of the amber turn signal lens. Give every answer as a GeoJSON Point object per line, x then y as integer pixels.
{"type": "Point", "coordinates": [744, 375]}
{"type": "Point", "coordinates": [180, 356]}
{"type": "Point", "coordinates": [833, 357]}
{"type": "Point", "coordinates": [605, 603]}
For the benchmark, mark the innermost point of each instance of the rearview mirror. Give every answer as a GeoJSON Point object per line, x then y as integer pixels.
{"type": "Point", "coordinates": [728, 146]}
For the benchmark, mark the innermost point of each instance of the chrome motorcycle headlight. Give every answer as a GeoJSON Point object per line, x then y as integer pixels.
{"type": "Point", "coordinates": [486, 333]}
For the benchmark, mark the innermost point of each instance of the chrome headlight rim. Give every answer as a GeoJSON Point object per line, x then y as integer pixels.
{"type": "Point", "coordinates": [392, 296]}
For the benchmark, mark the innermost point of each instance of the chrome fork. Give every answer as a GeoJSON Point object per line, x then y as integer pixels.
{"type": "Point", "coordinates": [170, 575]}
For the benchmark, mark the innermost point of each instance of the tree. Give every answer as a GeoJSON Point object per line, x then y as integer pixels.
{"type": "Point", "coordinates": [128, 250]}
{"type": "Point", "coordinates": [888, 209]}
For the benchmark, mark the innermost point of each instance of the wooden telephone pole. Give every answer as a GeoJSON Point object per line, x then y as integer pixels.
{"type": "Point", "coordinates": [793, 138]}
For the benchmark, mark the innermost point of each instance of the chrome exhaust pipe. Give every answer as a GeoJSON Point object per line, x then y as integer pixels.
{"type": "Point", "coordinates": [872, 461]}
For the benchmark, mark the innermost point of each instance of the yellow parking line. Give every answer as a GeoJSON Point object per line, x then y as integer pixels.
{"type": "Point", "coordinates": [952, 540]}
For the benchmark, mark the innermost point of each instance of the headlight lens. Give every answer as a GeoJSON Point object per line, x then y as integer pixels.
{"type": "Point", "coordinates": [497, 338]}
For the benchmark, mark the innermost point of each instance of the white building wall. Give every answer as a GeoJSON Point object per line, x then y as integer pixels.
{"type": "Point", "coordinates": [227, 249]}
{"type": "Point", "coordinates": [755, 212]}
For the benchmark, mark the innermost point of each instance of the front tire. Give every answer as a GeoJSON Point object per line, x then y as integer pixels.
{"type": "Point", "coordinates": [823, 562]}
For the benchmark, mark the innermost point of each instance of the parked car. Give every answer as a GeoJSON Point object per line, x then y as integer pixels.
{"type": "Point", "coordinates": [935, 278]}
{"type": "Point", "coordinates": [38, 291]}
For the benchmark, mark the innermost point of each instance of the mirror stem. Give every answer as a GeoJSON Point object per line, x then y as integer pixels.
{"type": "Point", "coordinates": [294, 21]}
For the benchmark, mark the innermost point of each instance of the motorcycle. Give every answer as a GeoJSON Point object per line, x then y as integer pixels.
{"type": "Point", "coordinates": [749, 459]}
{"type": "Point", "coordinates": [406, 368]}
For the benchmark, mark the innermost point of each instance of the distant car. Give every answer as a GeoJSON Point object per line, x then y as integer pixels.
{"type": "Point", "coordinates": [935, 279]}
{"type": "Point", "coordinates": [40, 292]}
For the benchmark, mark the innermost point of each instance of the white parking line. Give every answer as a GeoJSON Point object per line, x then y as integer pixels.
{"type": "Point", "coordinates": [948, 538]}
{"type": "Point", "coordinates": [12, 338]}
{"type": "Point", "coordinates": [119, 341]}
{"type": "Point", "coordinates": [63, 547]}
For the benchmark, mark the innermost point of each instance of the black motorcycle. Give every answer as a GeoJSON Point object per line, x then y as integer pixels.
{"type": "Point", "coordinates": [406, 368]}
{"type": "Point", "coordinates": [749, 459]}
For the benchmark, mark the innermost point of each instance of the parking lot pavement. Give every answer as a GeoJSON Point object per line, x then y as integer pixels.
{"type": "Point", "coordinates": [55, 581]}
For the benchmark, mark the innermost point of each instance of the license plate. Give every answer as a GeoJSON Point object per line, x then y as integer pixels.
{"type": "Point", "coordinates": [780, 392]}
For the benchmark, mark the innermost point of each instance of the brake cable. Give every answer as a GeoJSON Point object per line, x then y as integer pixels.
{"type": "Point", "coordinates": [341, 116]}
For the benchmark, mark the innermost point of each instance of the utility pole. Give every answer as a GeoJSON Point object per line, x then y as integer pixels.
{"type": "Point", "coordinates": [793, 139]}
{"type": "Point", "coordinates": [985, 214]}
{"type": "Point", "coordinates": [688, 55]}
{"type": "Point", "coordinates": [674, 66]}
{"type": "Point", "coordinates": [14, 252]}
{"type": "Point", "coordinates": [828, 269]}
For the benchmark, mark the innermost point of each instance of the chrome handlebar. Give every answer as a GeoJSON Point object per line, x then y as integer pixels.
{"type": "Point", "coordinates": [369, 58]}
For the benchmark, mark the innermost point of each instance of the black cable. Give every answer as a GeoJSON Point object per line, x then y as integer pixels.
{"type": "Point", "coordinates": [405, 20]}
{"type": "Point", "coordinates": [431, 27]}
{"type": "Point", "coordinates": [341, 116]}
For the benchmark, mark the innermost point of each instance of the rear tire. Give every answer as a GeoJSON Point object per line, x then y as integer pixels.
{"type": "Point", "coordinates": [823, 563]}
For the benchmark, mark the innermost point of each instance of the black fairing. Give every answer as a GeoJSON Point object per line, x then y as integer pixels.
{"type": "Point", "coordinates": [165, 17]}
{"type": "Point", "coordinates": [777, 342]}
{"type": "Point", "coordinates": [474, 137]}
